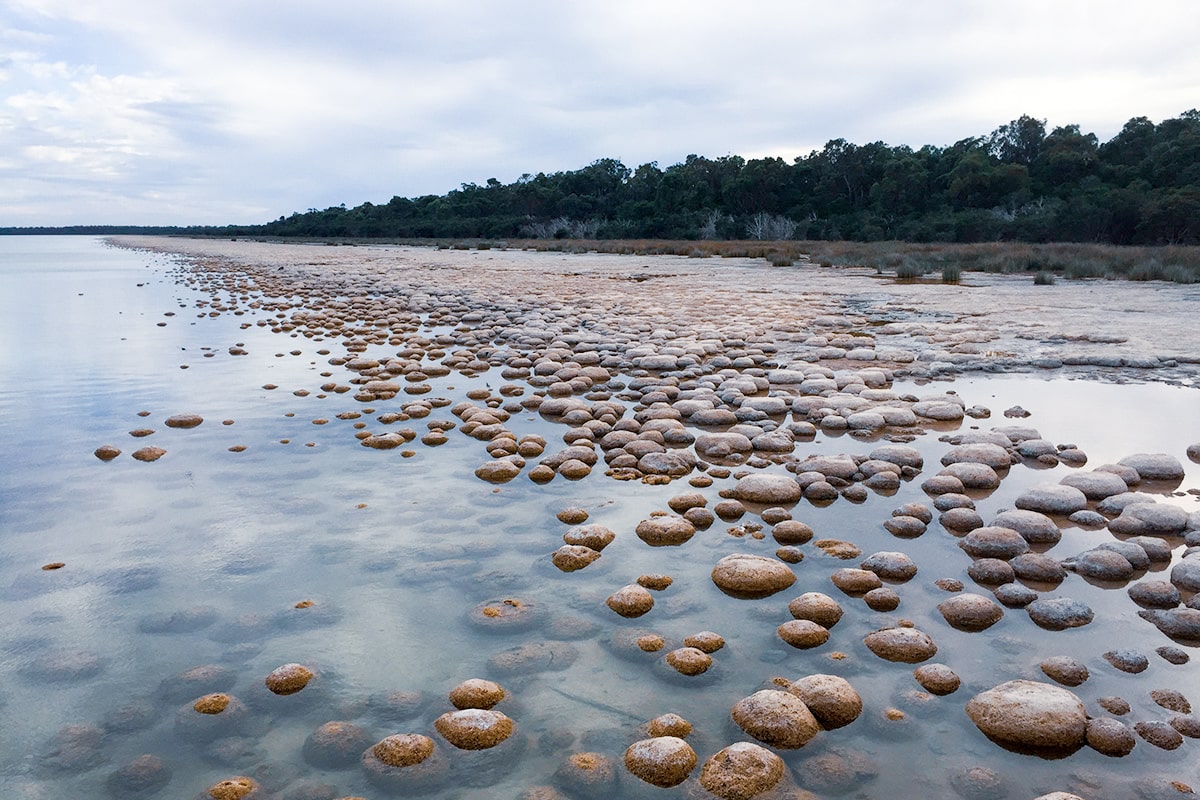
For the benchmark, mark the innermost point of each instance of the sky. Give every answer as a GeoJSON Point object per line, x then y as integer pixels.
{"type": "Point", "coordinates": [177, 112]}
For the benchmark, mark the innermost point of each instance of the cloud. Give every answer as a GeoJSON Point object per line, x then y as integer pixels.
{"type": "Point", "coordinates": [233, 112]}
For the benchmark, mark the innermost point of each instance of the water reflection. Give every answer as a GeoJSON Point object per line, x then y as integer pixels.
{"type": "Point", "coordinates": [204, 571]}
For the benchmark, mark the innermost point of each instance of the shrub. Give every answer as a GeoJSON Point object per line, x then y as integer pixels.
{"type": "Point", "coordinates": [1043, 279]}
{"type": "Point", "coordinates": [909, 270]}
{"type": "Point", "coordinates": [951, 273]}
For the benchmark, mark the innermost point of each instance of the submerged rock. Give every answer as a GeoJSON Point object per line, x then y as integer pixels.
{"type": "Point", "coordinates": [741, 771]}
{"type": "Point", "coordinates": [335, 745]}
{"type": "Point", "coordinates": [144, 776]}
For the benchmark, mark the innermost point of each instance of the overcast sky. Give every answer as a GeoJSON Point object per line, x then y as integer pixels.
{"type": "Point", "coordinates": [239, 111]}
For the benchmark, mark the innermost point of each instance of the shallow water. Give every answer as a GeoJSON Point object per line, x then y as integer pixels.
{"type": "Point", "coordinates": [397, 552]}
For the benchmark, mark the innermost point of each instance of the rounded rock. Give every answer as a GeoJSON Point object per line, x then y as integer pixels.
{"type": "Point", "coordinates": [1065, 670]}
{"type": "Point", "coordinates": [994, 542]}
{"type": "Point", "coordinates": [771, 490]}
{"type": "Point", "coordinates": [689, 661]}
{"type": "Point", "coordinates": [904, 526]}
{"type": "Point", "coordinates": [1129, 661]}
{"type": "Point", "coordinates": [1054, 499]}
{"type": "Point", "coordinates": [570, 558]}
{"type": "Point", "coordinates": [970, 612]}
{"type": "Point", "coordinates": [1014, 595]}
{"type": "Point", "coordinates": [236, 788]}
{"type": "Point", "coordinates": [803, 633]}
{"type": "Point", "coordinates": [705, 641]}
{"type": "Point", "coordinates": [1160, 734]}
{"type": "Point", "coordinates": [855, 581]}
{"type": "Point", "coordinates": [961, 520]}
{"type": "Point", "coordinates": [665, 531]}
{"type": "Point", "coordinates": [1036, 527]}
{"type": "Point", "coordinates": [1059, 613]}
{"type": "Point", "coordinates": [991, 572]}
{"type": "Point", "coordinates": [288, 679]}
{"type": "Point", "coordinates": [669, 725]}
{"type": "Point", "coordinates": [1110, 737]}
{"type": "Point", "coordinates": [792, 532]}
{"type": "Point", "coordinates": [830, 698]}
{"type": "Point", "coordinates": [816, 607]}
{"type": "Point", "coordinates": [882, 599]}
{"type": "Point", "coordinates": [335, 745]}
{"type": "Point", "coordinates": [906, 645]}
{"type": "Point", "coordinates": [741, 771]}
{"type": "Point", "coordinates": [749, 576]}
{"type": "Point", "coordinates": [776, 718]}
{"type": "Point", "coordinates": [1154, 466]}
{"type": "Point", "coordinates": [662, 761]}
{"type": "Point", "coordinates": [595, 537]}
{"type": "Point", "coordinates": [476, 693]}
{"type": "Point", "coordinates": [1030, 714]}
{"type": "Point", "coordinates": [890, 566]}
{"type": "Point", "coordinates": [937, 679]}
{"type": "Point", "coordinates": [630, 601]}
{"type": "Point", "coordinates": [474, 728]}
{"type": "Point", "coordinates": [142, 777]}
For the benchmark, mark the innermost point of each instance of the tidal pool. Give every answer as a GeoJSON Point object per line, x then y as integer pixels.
{"type": "Point", "coordinates": [395, 575]}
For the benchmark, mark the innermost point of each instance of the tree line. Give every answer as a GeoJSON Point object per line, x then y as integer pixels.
{"type": "Point", "coordinates": [1018, 183]}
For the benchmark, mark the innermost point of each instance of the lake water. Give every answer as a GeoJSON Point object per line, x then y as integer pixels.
{"type": "Point", "coordinates": [201, 557]}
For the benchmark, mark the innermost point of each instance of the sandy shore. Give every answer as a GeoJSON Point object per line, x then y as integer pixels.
{"type": "Point", "coordinates": [834, 316]}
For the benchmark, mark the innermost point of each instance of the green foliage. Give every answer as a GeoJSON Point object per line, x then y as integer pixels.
{"type": "Point", "coordinates": [1043, 279]}
{"type": "Point", "coordinates": [1017, 184]}
{"type": "Point", "coordinates": [951, 273]}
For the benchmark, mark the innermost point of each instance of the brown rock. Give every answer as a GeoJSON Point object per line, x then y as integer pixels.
{"type": "Point", "coordinates": [288, 679]}
{"type": "Point", "coordinates": [474, 728]}
{"type": "Point", "coordinates": [741, 771]}
{"type": "Point", "coordinates": [663, 761]}
{"type": "Point", "coordinates": [776, 718]}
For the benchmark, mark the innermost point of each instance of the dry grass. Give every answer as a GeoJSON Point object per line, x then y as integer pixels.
{"type": "Point", "coordinates": [905, 260]}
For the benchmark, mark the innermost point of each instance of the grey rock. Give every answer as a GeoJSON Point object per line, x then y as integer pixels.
{"type": "Point", "coordinates": [1039, 568]}
{"type": "Point", "coordinates": [1096, 485]}
{"type": "Point", "coordinates": [1059, 613]}
{"type": "Point", "coordinates": [1102, 565]}
{"type": "Point", "coordinates": [1035, 527]}
{"type": "Point", "coordinates": [1052, 499]}
{"type": "Point", "coordinates": [994, 542]}
{"type": "Point", "coordinates": [1015, 595]}
{"type": "Point", "coordinates": [1181, 624]}
{"type": "Point", "coordinates": [1155, 466]}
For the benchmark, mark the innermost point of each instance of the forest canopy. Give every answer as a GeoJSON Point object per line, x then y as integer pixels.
{"type": "Point", "coordinates": [1018, 183]}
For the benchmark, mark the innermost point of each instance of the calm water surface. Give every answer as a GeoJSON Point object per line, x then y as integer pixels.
{"type": "Point", "coordinates": [200, 558]}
